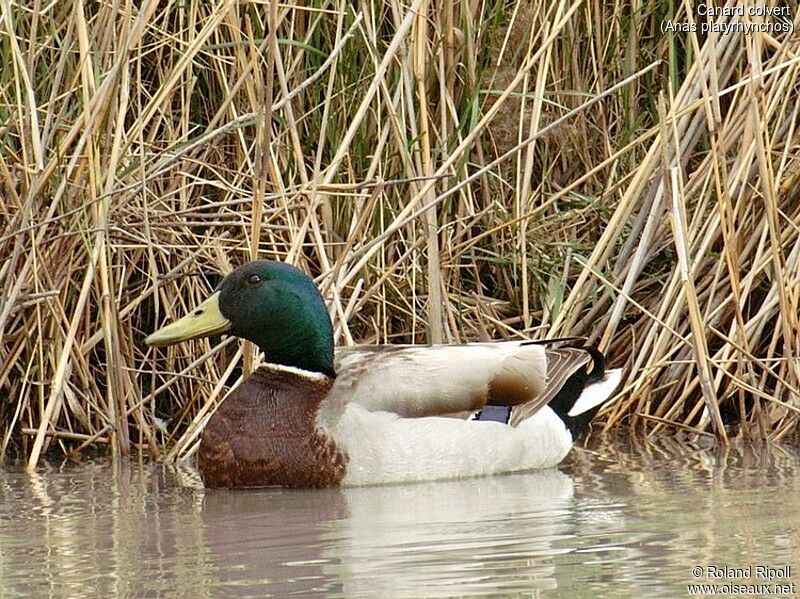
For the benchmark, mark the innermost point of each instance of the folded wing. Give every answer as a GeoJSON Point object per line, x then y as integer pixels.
{"type": "Point", "coordinates": [417, 381]}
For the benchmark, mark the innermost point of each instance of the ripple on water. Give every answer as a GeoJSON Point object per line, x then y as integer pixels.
{"type": "Point", "coordinates": [618, 520]}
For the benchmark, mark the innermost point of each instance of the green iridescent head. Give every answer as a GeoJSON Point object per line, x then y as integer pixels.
{"type": "Point", "coordinates": [272, 304]}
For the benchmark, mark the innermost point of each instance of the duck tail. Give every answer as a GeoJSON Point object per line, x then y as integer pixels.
{"type": "Point", "coordinates": [594, 395]}
{"type": "Point", "coordinates": [583, 394]}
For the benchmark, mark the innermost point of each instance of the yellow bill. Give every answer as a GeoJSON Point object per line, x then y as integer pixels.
{"type": "Point", "coordinates": [206, 319]}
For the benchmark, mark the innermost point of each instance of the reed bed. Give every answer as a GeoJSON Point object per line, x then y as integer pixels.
{"type": "Point", "coordinates": [448, 171]}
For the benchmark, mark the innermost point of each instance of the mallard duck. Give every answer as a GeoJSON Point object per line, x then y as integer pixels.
{"type": "Point", "coordinates": [314, 417]}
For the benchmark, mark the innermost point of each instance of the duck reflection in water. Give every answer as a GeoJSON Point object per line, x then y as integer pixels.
{"type": "Point", "coordinates": [427, 539]}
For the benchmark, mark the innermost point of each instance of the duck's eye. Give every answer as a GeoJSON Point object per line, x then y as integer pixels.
{"type": "Point", "coordinates": [254, 279]}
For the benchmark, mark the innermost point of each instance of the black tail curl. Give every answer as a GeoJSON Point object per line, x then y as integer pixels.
{"type": "Point", "coordinates": [565, 399]}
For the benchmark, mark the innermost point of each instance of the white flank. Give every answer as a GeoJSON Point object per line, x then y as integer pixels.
{"type": "Point", "coordinates": [385, 448]}
{"type": "Point", "coordinates": [596, 393]}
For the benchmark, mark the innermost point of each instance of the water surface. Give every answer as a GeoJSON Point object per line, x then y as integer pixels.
{"type": "Point", "coordinates": [617, 520]}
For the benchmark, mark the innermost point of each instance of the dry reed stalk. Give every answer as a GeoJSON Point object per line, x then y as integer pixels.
{"type": "Point", "coordinates": [446, 171]}
{"type": "Point", "coordinates": [699, 341]}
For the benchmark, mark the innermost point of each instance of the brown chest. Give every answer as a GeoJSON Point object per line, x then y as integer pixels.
{"type": "Point", "coordinates": [264, 434]}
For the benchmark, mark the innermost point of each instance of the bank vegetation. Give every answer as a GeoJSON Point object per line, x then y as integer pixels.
{"type": "Point", "coordinates": [448, 171]}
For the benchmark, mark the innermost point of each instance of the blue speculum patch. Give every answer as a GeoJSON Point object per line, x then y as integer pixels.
{"type": "Point", "coordinates": [495, 413]}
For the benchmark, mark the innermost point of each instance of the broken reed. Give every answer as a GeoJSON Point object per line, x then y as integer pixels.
{"type": "Point", "coordinates": [449, 171]}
